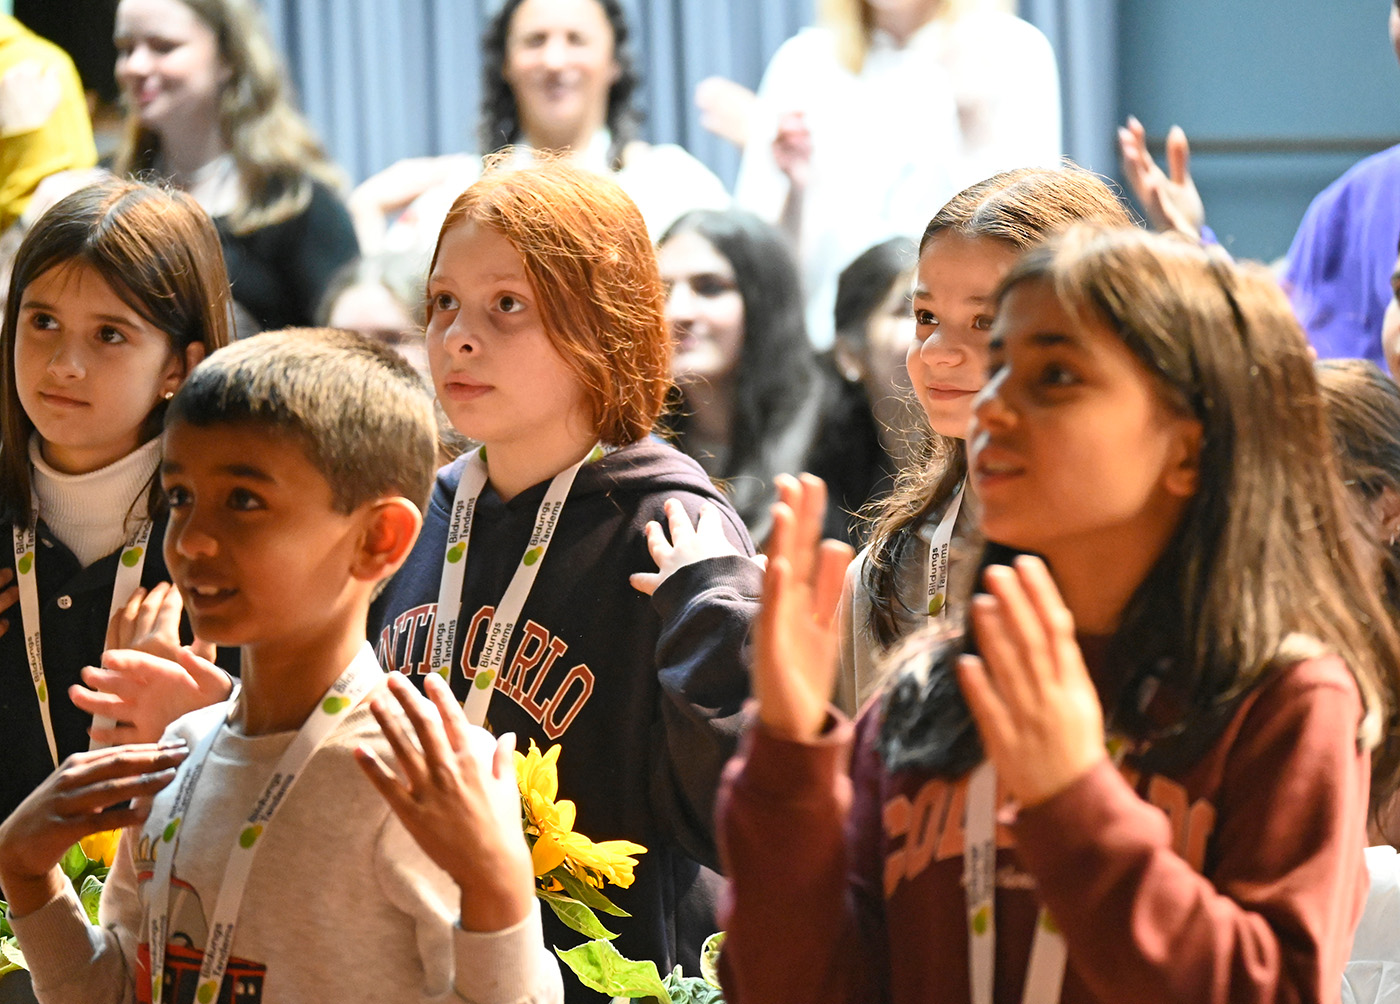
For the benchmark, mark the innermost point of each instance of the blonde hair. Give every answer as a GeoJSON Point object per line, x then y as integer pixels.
{"type": "Point", "coordinates": [273, 146]}
{"type": "Point", "coordinates": [852, 22]}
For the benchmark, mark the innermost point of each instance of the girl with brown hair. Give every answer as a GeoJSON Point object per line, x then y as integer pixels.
{"type": "Point", "coordinates": [117, 292]}
{"type": "Point", "coordinates": [1142, 772]}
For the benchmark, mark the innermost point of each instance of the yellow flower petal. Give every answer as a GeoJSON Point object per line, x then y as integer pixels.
{"type": "Point", "coordinates": [546, 855]}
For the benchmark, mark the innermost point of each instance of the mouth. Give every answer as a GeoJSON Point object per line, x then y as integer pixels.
{"type": "Point", "coordinates": [938, 392]}
{"type": "Point", "coordinates": [61, 400]}
{"type": "Point", "coordinates": [460, 388]}
{"type": "Point", "coordinates": [202, 598]}
{"type": "Point", "coordinates": [992, 466]}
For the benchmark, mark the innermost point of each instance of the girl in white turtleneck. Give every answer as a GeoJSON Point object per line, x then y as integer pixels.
{"type": "Point", "coordinates": [117, 292]}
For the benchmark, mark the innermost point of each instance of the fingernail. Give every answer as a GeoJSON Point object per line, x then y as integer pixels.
{"type": "Point", "coordinates": [174, 744]}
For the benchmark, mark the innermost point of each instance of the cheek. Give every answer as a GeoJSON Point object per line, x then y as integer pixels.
{"type": "Point", "coordinates": [1390, 338]}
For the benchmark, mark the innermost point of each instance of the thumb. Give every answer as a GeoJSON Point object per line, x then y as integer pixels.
{"type": "Point", "coordinates": [645, 582]}
{"type": "Point", "coordinates": [1178, 155]}
{"type": "Point", "coordinates": [206, 650]}
{"type": "Point", "coordinates": [206, 676]}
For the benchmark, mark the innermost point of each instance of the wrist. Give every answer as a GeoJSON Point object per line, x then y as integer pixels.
{"type": "Point", "coordinates": [26, 894]}
{"type": "Point", "coordinates": [498, 903]}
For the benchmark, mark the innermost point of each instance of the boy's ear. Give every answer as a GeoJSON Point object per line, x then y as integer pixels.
{"type": "Point", "coordinates": [1183, 477]}
{"type": "Point", "coordinates": [391, 527]}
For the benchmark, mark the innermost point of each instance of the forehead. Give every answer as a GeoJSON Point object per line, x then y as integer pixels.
{"type": "Point", "coordinates": [72, 281]}
{"type": "Point", "coordinates": [959, 268]}
{"type": "Point", "coordinates": [474, 252]}
{"type": "Point", "coordinates": [166, 18]}
{"type": "Point", "coordinates": [535, 16]}
{"type": "Point", "coordinates": [247, 448]}
{"type": "Point", "coordinates": [687, 253]}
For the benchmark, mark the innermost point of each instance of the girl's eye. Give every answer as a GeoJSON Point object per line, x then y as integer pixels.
{"type": "Point", "coordinates": [711, 285]}
{"type": "Point", "coordinates": [109, 335]}
{"type": "Point", "coordinates": [444, 301]}
{"type": "Point", "coordinates": [43, 321]}
{"type": "Point", "coordinates": [508, 304]}
{"type": "Point", "coordinates": [925, 318]}
{"type": "Point", "coordinates": [176, 496]}
{"type": "Point", "coordinates": [1055, 375]}
{"type": "Point", "coordinates": [244, 500]}
{"type": "Point", "coordinates": [982, 322]}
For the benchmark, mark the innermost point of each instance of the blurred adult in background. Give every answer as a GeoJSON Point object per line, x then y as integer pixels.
{"type": "Point", "coordinates": [749, 399]}
{"type": "Point", "coordinates": [380, 296]}
{"type": "Point", "coordinates": [559, 77]}
{"type": "Point", "coordinates": [208, 109]}
{"type": "Point", "coordinates": [46, 147]}
{"type": "Point", "coordinates": [871, 418]}
{"type": "Point", "coordinates": [1338, 269]}
{"type": "Point", "coordinates": [867, 123]}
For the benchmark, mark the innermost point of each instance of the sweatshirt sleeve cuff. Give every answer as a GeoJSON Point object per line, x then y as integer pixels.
{"type": "Point", "coordinates": [507, 966]}
{"type": "Point", "coordinates": [732, 574]}
{"type": "Point", "coordinates": [776, 767]}
{"type": "Point", "coordinates": [1071, 830]}
{"type": "Point", "coordinates": [55, 937]}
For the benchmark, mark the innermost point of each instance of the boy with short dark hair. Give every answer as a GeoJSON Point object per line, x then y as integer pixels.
{"type": "Point", "coordinates": [295, 464]}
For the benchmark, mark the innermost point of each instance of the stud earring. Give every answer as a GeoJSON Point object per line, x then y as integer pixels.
{"type": "Point", "coordinates": [169, 394]}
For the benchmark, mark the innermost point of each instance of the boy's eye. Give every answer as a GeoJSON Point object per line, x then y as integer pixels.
{"type": "Point", "coordinates": [508, 304]}
{"type": "Point", "coordinates": [1055, 375]}
{"type": "Point", "coordinates": [982, 322]}
{"type": "Point", "coordinates": [244, 500]}
{"type": "Point", "coordinates": [176, 496]}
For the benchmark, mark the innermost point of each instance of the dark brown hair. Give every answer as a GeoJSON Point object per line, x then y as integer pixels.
{"type": "Point", "coordinates": [158, 251]}
{"type": "Point", "coordinates": [1018, 209]}
{"type": "Point", "coordinates": [593, 270]}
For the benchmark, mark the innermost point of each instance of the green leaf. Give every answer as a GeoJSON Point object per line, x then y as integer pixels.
{"type": "Point", "coordinates": [585, 893]}
{"type": "Point", "coordinates": [709, 958]}
{"type": "Point", "coordinates": [9, 950]}
{"type": "Point", "coordinates": [599, 966]}
{"type": "Point", "coordinates": [576, 916]}
{"type": "Point", "coordinates": [691, 989]}
{"type": "Point", "coordinates": [6, 931]}
{"type": "Point", "coordinates": [89, 895]}
{"type": "Point", "coordinates": [74, 861]}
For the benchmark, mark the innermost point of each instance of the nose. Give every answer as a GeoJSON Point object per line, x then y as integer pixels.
{"type": "Point", "coordinates": [188, 536]}
{"type": "Point", "coordinates": [990, 407]}
{"type": "Point", "coordinates": [680, 303]}
{"type": "Point", "coordinates": [66, 363]}
{"type": "Point", "coordinates": [460, 336]}
{"type": "Point", "coordinates": [555, 53]}
{"type": "Point", "coordinates": [940, 349]}
{"type": "Point", "coordinates": [136, 62]}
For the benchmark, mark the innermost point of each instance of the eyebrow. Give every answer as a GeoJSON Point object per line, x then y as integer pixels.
{"type": "Point", "coordinates": [1054, 339]}
{"type": "Point", "coordinates": [40, 305]}
{"type": "Point", "coordinates": [233, 470]}
{"type": "Point", "coordinates": [980, 301]}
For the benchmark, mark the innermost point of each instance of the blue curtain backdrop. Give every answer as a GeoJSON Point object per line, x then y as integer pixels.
{"type": "Point", "coordinates": [385, 79]}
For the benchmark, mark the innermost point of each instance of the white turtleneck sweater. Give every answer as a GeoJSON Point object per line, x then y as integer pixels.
{"type": "Point", "coordinates": [94, 513]}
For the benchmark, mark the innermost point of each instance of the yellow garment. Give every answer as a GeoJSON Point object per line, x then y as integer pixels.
{"type": "Point", "coordinates": [44, 126]}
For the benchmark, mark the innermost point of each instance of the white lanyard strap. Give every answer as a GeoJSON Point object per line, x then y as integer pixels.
{"type": "Point", "coordinates": [454, 565]}
{"type": "Point", "coordinates": [1045, 972]}
{"type": "Point", "coordinates": [938, 557]}
{"type": "Point", "coordinates": [344, 694]}
{"type": "Point", "coordinates": [129, 566]}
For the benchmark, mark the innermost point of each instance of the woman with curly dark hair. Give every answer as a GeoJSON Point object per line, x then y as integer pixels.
{"type": "Point", "coordinates": [557, 76]}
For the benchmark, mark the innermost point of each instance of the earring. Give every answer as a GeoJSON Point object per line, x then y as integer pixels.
{"type": "Point", "coordinates": [169, 394]}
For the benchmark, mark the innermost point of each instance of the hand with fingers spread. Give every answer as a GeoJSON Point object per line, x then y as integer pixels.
{"type": "Point", "coordinates": [1170, 202]}
{"type": "Point", "coordinates": [149, 621]}
{"type": "Point", "coordinates": [687, 545]}
{"type": "Point", "coordinates": [1030, 692]}
{"type": "Point", "coordinates": [795, 653]}
{"type": "Point", "coordinates": [455, 793]}
{"type": "Point", "coordinates": [88, 793]}
{"type": "Point", "coordinates": [142, 694]}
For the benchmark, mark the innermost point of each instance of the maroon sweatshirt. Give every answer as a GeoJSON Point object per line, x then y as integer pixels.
{"type": "Point", "coordinates": [1240, 880]}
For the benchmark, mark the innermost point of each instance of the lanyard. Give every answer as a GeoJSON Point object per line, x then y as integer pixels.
{"type": "Point", "coordinates": [454, 566]}
{"type": "Point", "coordinates": [938, 548]}
{"type": "Point", "coordinates": [128, 577]}
{"type": "Point", "coordinates": [1045, 973]}
{"type": "Point", "coordinates": [344, 694]}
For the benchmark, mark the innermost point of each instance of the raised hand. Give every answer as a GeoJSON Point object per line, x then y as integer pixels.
{"type": "Point", "coordinates": [792, 149]}
{"type": "Point", "coordinates": [456, 794]}
{"type": "Point", "coordinates": [687, 545]}
{"type": "Point", "coordinates": [726, 109]}
{"type": "Point", "coordinates": [150, 622]}
{"type": "Point", "coordinates": [142, 694]}
{"type": "Point", "coordinates": [88, 793]}
{"type": "Point", "coordinates": [1030, 693]}
{"type": "Point", "coordinates": [1170, 202]}
{"type": "Point", "coordinates": [796, 636]}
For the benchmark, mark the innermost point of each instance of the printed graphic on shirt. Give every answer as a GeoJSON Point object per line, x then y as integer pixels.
{"type": "Point", "coordinates": [929, 827]}
{"type": "Point", "coordinates": [536, 675]}
{"type": "Point", "coordinates": [243, 980]}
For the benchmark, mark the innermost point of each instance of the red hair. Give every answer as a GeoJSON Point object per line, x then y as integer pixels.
{"type": "Point", "coordinates": [593, 270]}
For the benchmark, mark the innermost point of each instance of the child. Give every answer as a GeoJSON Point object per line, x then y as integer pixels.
{"type": "Point", "coordinates": [548, 343]}
{"type": "Point", "coordinates": [291, 461]}
{"type": "Point", "coordinates": [117, 291]}
{"type": "Point", "coordinates": [895, 585]}
{"type": "Point", "coordinates": [1217, 626]}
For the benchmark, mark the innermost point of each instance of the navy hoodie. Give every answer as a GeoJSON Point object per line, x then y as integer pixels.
{"type": "Point", "coordinates": [644, 693]}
